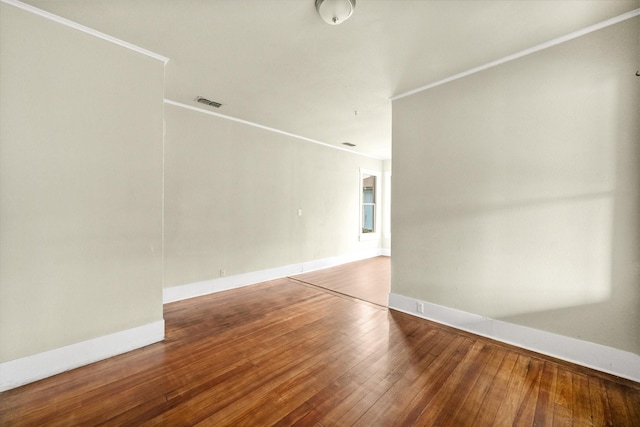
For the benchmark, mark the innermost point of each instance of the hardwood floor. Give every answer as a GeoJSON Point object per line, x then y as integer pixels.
{"type": "Point", "coordinates": [287, 353]}
{"type": "Point", "coordinates": [368, 280]}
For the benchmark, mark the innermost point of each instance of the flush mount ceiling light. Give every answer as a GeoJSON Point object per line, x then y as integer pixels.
{"type": "Point", "coordinates": [335, 12]}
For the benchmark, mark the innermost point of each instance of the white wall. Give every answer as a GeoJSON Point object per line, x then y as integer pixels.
{"type": "Point", "coordinates": [517, 191]}
{"type": "Point", "coordinates": [80, 187]}
{"type": "Point", "coordinates": [232, 194]}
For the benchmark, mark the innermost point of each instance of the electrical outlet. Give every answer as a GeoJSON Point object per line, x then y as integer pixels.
{"type": "Point", "coordinates": [420, 307]}
{"type": "Point", "coordinates": [223, 273]}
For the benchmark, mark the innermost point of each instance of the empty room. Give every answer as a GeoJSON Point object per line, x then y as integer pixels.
{"type": "Point", "coordinates": [320, 212]}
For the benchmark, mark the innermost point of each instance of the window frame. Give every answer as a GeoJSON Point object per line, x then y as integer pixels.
{"type": "Point", "coordinates": [377, 205]}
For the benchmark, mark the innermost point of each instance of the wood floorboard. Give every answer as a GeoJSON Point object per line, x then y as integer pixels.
{"type": "Point", "coordinates": [287, 353]}
{"type": "Point", "coordinates": [351, 385]}
{"type": "Point", "coordinates": [543, 415]}
{"type": "Point", "coordinates": [368, 280]}
{"type": "Point", "coordinates": [497, 393]}
{"type": "Point", "coordinates": [469, 409]}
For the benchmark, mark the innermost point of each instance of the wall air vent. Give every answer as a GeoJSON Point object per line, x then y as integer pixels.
{"type": "Point", "coordinates": [205, 101]}
{"type": "Point", "coordinates": [348, 144]}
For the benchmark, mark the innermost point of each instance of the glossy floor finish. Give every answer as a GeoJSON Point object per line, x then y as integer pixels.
{"type": "Point", "coordinates": [368, 280]}
{"type": "Point", "coordinates": [287, 353]}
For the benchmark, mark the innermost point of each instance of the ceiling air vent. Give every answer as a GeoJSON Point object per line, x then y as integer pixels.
{"type": "Point", "coordinates": [348, 144]}
{"type": "Point", "coordinates": [205, 101]}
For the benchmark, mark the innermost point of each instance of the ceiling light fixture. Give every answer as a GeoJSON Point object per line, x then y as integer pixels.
{"type": "Point", "coordinates": [335, 12]}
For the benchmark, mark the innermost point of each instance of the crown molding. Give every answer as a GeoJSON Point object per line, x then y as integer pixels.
{"type": "Point", "coordinates": [267, 128]}
{"type": "Point", "coordinates": [534, 49]}
{"type": "Point", "coordinates": [84, 29]}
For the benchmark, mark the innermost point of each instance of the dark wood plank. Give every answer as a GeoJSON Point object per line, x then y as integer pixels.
{"type": "Point", "coordinates": [496, 395]}
{"type": "Point", "coordinates": [515, 391]}
{"type": "Point", "coordinates": [620, 413]}
{"type": "Point", "coordinates": [563, 410]}
{"type": "Point", "coordinates": [582, 412]}
{"type": "Point", "coordinates": [468, 412]}
{"type": "Point", "coordinates": [600, 411]}
{"type": "Point", "coordinates": [465, 371]}
{"type": "Point", "coordinates": [633, 403]}
{"type": "Point", "coordinates": [545, 405]}
{"type": "Point", "coordinates": [529, 393]}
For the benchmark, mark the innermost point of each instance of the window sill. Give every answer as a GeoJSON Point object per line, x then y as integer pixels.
{"type": "Point", "coordinates": [369, 236]}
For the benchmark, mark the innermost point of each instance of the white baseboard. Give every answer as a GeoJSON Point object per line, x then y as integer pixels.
{"type": "Point", "coordinates": [15, 373]}
{"type": "Point", "coordinates": [191, 290]}
{"type": "Point", "coordinates": [599, 357]}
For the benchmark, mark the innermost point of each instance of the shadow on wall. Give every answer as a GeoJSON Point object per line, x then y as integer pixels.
{"type": "Point", "coordinates": [524, 257]}
{"type": "Point", "coordinates": [515, 213]}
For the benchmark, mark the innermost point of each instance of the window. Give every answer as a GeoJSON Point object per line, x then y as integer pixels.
{"type": "Point", "coordinates": [368, 203]}
{"type": "Point", "coordinates": [369, 223]}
